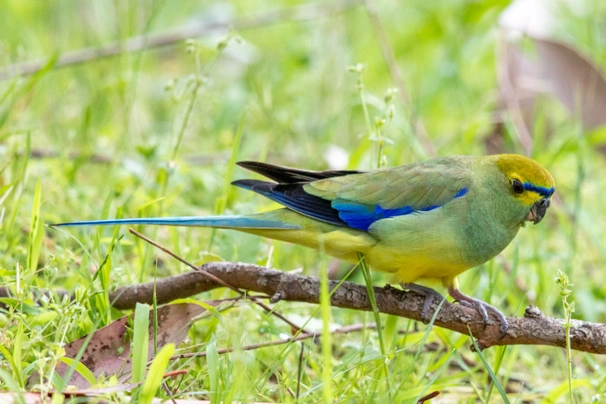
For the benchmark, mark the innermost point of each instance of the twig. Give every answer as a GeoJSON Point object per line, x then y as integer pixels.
{"type": "Point", "coordinates": [47, 154]}
{"type": "Point", "coordinates": [300, 371]}
{"type": "Point", "coordinates": [197, 29]}
{"type": "Point", "coordinates": [218, 280]}
{"type": "Point", "coordinates": [300, 337]}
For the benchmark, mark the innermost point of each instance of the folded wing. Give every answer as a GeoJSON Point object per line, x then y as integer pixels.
{"type": "Point", "coordinates": [358, 199]}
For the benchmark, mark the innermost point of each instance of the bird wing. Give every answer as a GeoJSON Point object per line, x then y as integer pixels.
{"type": "Point", "coordinates": [287, 175]}
{"type": "Point", "coordinates": [359, 199]}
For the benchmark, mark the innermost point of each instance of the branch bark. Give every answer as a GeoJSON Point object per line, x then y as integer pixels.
{"type": "Point", "coordinates": [533, 329]}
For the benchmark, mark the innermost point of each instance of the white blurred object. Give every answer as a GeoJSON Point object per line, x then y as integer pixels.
{"type": "Point", "coordinates": [530, 17]}
{"type": "Point", "coordinates": [538, 18]}
{"type": "Point", "coordinates": [336, 157]}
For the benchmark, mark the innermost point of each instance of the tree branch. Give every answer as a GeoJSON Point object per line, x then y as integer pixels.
{"type": "Point", "coordinates": [533, 329]}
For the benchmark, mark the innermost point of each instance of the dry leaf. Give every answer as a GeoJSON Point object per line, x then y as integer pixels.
{"type": "Point", "coordinates": [108, 351]}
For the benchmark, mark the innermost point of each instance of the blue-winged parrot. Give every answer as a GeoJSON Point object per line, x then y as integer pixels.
{"type": "Point", "coordinates": [428, 220]}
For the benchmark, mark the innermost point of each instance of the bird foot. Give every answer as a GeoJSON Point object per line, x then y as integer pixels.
{"type": "Point", "coordinates": [429, 294]}
{"type": "Point", "coordinates": [482, 307]}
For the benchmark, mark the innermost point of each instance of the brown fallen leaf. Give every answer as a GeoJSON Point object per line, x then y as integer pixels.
{"type": "Point", "coordinates": [108, 351]}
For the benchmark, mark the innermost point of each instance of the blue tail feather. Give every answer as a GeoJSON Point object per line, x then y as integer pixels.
{"type": "Point", "coordinates": [228, 222]}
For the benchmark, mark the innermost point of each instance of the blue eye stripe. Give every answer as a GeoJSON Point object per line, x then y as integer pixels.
{"type": "Point", "coordinates": [546, 192]}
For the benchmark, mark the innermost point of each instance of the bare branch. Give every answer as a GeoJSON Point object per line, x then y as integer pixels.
{"type": "Point", "coordinates": [533, 329]}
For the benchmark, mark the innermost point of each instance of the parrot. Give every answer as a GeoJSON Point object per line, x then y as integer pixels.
{"type": "Point", "coordinates": [430, 220]}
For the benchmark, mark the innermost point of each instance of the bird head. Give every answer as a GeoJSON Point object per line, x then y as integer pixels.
{"type": "Point", "coordinates": [529, 183]}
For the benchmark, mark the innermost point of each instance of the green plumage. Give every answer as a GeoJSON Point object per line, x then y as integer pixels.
{"type": "Point", "coordinates": [434, 182]}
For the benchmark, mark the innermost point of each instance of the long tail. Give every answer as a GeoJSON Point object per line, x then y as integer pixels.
{"type": "Point", "coordinates": [260, 221]}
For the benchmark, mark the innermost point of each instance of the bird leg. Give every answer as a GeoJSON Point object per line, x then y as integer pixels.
{"type": "Point", "coordinates": [429, 294]}
{"type": "Point", "coordinates": [481, 306]}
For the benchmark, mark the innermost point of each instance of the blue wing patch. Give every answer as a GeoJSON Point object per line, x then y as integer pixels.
{"type": "Point", "coordinates": [361, 217]}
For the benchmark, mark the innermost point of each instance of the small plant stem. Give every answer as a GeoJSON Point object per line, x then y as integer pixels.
{"type": "Point", "coordinates": [565, 291]}
{"type": "Point", "coordinates": [375, 311]}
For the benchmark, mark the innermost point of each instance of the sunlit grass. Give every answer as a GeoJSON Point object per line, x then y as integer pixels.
{"type": "Point", "coordinates": [166, 127]}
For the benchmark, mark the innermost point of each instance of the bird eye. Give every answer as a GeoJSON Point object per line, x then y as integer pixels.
{"type": "Point", "coordinates": [517, 186]}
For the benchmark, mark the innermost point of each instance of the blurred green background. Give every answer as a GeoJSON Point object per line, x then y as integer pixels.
{"type": "Point", "coordinates": [155, 132]}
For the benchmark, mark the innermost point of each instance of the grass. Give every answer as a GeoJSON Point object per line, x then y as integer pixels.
{"type": "Point", "coordinates": [157, 132]}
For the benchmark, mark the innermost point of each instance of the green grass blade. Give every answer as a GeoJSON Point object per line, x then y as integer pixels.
{"type": "Point", "coordinates": [435, 377]}
{"type": "Point", "coordinates": [492, 375]}
{"type": "Point", "coordinates": [81, 369]}
{"type": "Point", "coordinates": [562, 390]}
{"type": "Point", "coordinates": [499, 361]}
{"type": "Point", "coordinates": [12, 385]}
{"type": "Point", "coordinates": [140, 342]}
{"type": "Point", "coordinates": [212, 360]}
{"type": "Point", "coordinates": [36, 231]}
{"type": "Point", "coordinates": [327, 393]}
{"type": "Point", "coordinates": [11, 360]}
{"type": "Point", "coordinates": [390, 332]}
{"type": "Point", "coordinates": [377, 316]}
{"type": "Point", "coordinates": [155, 374]}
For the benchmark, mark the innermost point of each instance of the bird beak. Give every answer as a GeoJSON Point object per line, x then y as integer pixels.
{"type": "Point", "coordinates": [538, 210]}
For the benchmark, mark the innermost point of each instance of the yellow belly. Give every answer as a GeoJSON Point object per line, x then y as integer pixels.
{"type": "Point", "coordinates": [409, 268]}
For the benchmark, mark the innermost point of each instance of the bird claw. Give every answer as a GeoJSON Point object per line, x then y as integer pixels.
{"type": "Point", "coordinates": [429, 294]}
{"type": "Point", "coordinates": [465, 303]}
{"type": "Point", "coordinates": [482, 307]}
{"type": "Point", "coordinates": [425, 317]}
